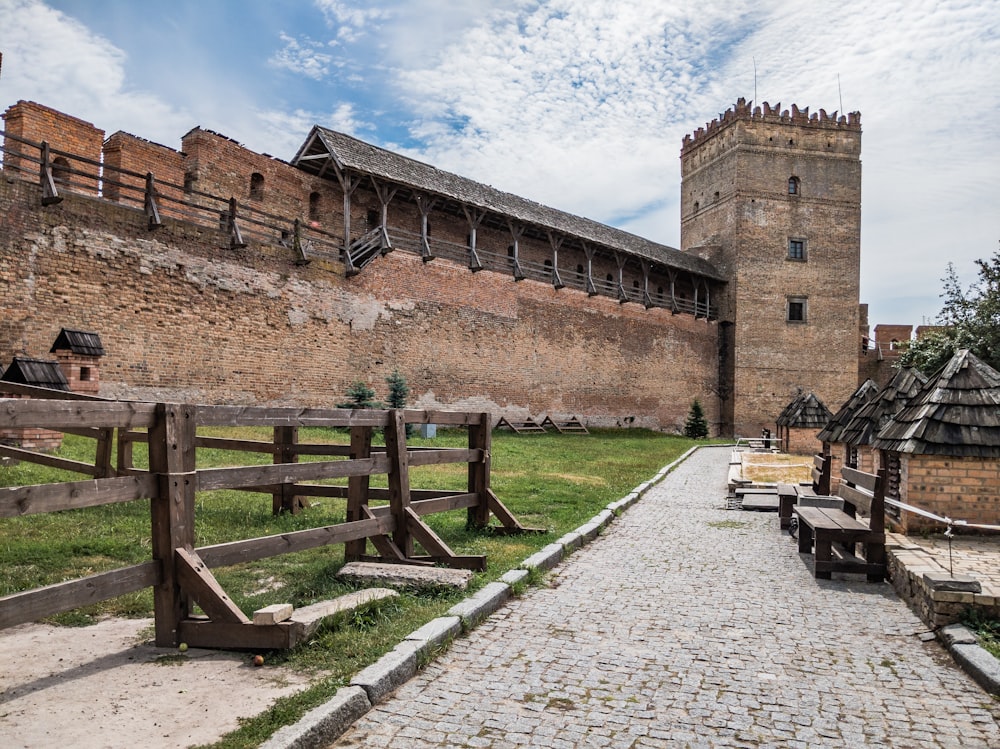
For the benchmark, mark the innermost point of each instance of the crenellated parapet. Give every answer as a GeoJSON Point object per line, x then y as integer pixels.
{"type": "Point", "coordinates": [745, 111]}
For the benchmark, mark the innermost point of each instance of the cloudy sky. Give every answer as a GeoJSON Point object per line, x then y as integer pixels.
{"type": "Point", "coordinates": [579, 104]}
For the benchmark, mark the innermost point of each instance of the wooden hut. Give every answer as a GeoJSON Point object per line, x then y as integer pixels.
{"type": "Point", "coordinates": [799, 422]}
{"type": "Point", "coordinates": [942, 449]}
{"type": "Point", "coordinates": [857, 434]}
{"type": "Point", "coordinates": [830, 435]}
{"type": "Point", "coordinates": [79, 353]}
{"type": "Point", "coordinates": [39, 373]}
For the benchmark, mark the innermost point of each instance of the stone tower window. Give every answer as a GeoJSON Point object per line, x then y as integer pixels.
{"type": "Point", "coordinates": [60, 170]}
{"type": "Point", "coordinates": [794, 187]}
{"type": "Point", "coordinates": [314, 206]}
{"type": "Point", "coordinates": [372, 218]}
{"type": "Point", "coordinates": [797, 249]}
{"type": "Point", "coordinates": [256, 186]}
{"type": "Point", "coordinates": [796, 311]}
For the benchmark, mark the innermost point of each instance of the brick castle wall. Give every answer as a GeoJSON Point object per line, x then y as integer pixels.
{"type": "Point", "coordinates": [183, 316]}
{"type": "Point", "coordinates": [958, 488]}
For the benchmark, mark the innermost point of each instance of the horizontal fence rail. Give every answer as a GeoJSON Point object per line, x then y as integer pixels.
{"type": "Point", "coordinates": [180, 573]}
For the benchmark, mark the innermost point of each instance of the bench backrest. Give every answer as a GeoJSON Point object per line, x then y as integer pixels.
{"type": "Point", "coordinates": [866, 493]}
{"type": "Point", "coordinates": [821, 475]}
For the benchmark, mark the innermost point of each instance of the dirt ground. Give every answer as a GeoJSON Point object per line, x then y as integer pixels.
{"type": "Point", "coordinates": [108, 686]}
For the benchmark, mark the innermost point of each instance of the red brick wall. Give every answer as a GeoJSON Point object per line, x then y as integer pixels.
{"type": "Point", "coordinates": [131, 154]}
{"type": "Point", "coordinates": [958, 488]}
{"type": "Point", "coordinates": [34, 122]}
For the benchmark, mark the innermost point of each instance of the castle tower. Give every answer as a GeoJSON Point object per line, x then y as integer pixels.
{"type": "Point", "coordinates": [773, 198]}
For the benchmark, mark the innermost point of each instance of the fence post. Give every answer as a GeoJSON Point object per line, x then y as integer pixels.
{"type": "Point", "coordinates": [357, 490]}
{"type": "Point", "coordinates": [480, 437]}
{"type": "Point", "coordinates": [284, 499]}
{"type": "Point", "coordinates": [399, 480]}
{"type": "Point", "coordinates": [172, 459]}
{"type": "Point", "coordinates": [102, 459]}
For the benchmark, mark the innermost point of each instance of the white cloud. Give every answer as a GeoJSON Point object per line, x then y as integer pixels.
{"type": "Point", "coordinates": [304, 57]}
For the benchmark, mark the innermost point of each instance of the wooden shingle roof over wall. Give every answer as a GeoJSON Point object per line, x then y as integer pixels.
{"type": "Point", "coordinates": [876, 413]}
{"type": "Point", "coordinates": [356, 155]}
{"type": "Point", "coordinates": [956, 413]}
{"type": "Point", "coordinates": [864, 394]}
{"type": "Point", "coordinates": [805, 412]}
{"type": "Point", "coordinates": [79, 342]}
{"type": "Point", "coordinates": [37, 372]}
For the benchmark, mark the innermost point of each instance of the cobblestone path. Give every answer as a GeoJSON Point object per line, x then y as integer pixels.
{"type": "Point", "coordinates": [687, 625]}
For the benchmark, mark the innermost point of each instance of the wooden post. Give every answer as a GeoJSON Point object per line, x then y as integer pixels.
{"type": "Point", "coordinates": [50, 196]}
{"type": "Point", "coordinates": [149, 203]}
{"type": "Point", "coordinates": [516, 232]}
{"type": "Point", "coordinates": [556, 243]}
{"type": "Point", "coordinates": [172, 459]}
{"type": "Point", "coordinates": [284, 499]}
{"type": "Point", "coordinates": [591, 286]}
{"type": "Point", "coordinates": [480, 436]}
{"type": "Point", "coordinates": [399, 480]}
{"type": "Point", "coordinates": [102, 460]}
{"type": "Point", "coordinates": [357, 490]}
{"type": "Point", "coordinates": [475, 217]}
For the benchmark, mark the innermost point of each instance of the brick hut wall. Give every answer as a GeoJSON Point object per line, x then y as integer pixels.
{"type": "Point", "coordinates": [959, 488]}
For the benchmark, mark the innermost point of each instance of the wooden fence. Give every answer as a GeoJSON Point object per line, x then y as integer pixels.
{"type": "Point", "coordinates": [180, 573]}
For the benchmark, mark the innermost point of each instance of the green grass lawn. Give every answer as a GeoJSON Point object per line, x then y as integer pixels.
{"type": "Point", "coordinates": [555, 482]}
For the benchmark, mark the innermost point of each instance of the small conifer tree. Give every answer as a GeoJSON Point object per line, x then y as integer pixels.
{"type": "Point", "coordinates": [696, 426]}
{"type": "Point", "coordinates": [359, 395]}
{"type": "Point", "coordinates": [399, 391]}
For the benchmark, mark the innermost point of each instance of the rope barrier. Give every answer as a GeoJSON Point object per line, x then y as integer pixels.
{"type": "Point", "coordinates": [946, 520]}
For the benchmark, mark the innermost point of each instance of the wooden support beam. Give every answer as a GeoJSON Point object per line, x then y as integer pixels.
{"type": "Point", "coordinates": [200, 584]}
{"type": "Point", "coordinates": [556, 242]}
{"type": "Point", "coordinates": [480, 436]}
{"type": "Point", "coordinates": [475, 217]}
{"type": "Point", "coordinates": [235, 235]}
{"type": "Point", "coordinates": [399, 480]}
{"type": "Point", "coordinates": [647, 301]}
{"type": "Point", "coordinates": [425, 204]}
{"type": "Point", "coordinates": [621, 259]}
{"type": "Point", "coordinates": [516, 232]}
{"type": "Point", "coordinates": [50, 196]}
{"type": "Point", "coordinates": [149, 203]}
{"type": "Point", "coordinates": [298, 245]}
{"type": "Point", "coordinates": [385, 194]}
{"type": "Point", "coordinates": [172, 459]}
{"type": "Point", "coordinates": [589, 252]}
{"type": "Point", "coordinates": [284, 451]}
{"type": "Point", "coordinates": [357, 489]}
{"type": "Point", "coordinates": [348, 183]}
{"type": "Point", "coordinates": [102, 458]}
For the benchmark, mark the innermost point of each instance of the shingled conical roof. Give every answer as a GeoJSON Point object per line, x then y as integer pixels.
{"type": "Point", "coordinates": [873, 415]}
{"type": "Point", "coordinates": [864, 394]}
{"type": "Point", "coordinates": [805, 411]}
{"type": "Point", "coordinates": [956, 413]}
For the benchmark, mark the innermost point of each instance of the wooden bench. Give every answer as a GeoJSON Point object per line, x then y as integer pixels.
{"type": "Point", "coordinates": [520, 427]}
{"type": "Point", "coordinates": [833, 536]}
{"type": "Point", "coordinates": [788, 494]}
{"type": "Point", "coordinates": [571, 426]}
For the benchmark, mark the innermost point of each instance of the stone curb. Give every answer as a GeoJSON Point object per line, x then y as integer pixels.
{"type": "Point", "coordinates": [322, 725]}
{"type": "Point", "coordinates": [976, 661]}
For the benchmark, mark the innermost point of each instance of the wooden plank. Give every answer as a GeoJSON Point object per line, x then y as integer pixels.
{"type": "Point", "coordinates": [435, 456]}
{"type": "Point", "coordinates": [250, 550]}
{"type": "Point", "coordinates": [172, 459]}
{"type": "Point", "coordinates": [73, 495]}
{"type": "Point", "coordinates": [31, 605]}
{"type": "Point", "coordinates": [224, 443]}
{"type": "Point", "coordinates": [51, 461]}
{"type": "Point", "coordinates": [53, 414]}
{"type": "Point", "coordinates": [292, 417]}
{"type": "Point", "coordinates": [399, 481]}
{"type": "Point", "coordinates": [211, 479]}
{"type": "Point", "coordinates": [358, 489]}
{"type": "Point", "coordinates": [203, 633]}
{"type": "Point", "coordinates": [443, 418]}
{"type": "Point", "coordinates": [47, 393]}
{"type": "Point", "coordinates": [480, 439]}
{"type": "Point", "coordinates": [857, 497]}
{"type": "Point", "coordinates": [859, 478]}
{"type": "Point", "coordinates": [200, 584]}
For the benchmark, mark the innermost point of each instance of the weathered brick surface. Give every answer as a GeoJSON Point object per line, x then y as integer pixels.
{"type": "Point", "coordinates": [737, 211]}
{"type": "Point", "coordinates": [950, 487]}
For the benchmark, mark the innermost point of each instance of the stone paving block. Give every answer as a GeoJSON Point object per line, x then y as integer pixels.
{"type": "Point", "coordinates": [589, 531]}
{"type": "Point", "coordinates": [981, 665]}
{"type": "Point", "coordinates": [603, 518]}
{"type": "Point", "coordinates": [545, 558]}
{"type": "Point", "coordinates": [513, 577]}
{"type": "Point", "coordinates": [321, 725]}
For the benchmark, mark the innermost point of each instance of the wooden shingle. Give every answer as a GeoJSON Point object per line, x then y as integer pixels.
{"type": "Point", "coordinates": [79, 342]}
{"type": "Point", "coordinates": [863, 395]}
{"type": "Point", "coordinates": [956, 413]}
{"type": "Point", "coordinates": [37, 372]}
{"type": "Point", "coordinates": [873, 415]}
{"type": "Point", "coordinates": [805, 412]}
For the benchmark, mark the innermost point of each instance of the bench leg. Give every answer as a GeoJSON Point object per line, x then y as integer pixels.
{"type": "Point", "coordinates": [805, 538]}
{"type": "Point", "coordinates": [875, 554]}
{"type": "Point", "coordinates": [824, 553]}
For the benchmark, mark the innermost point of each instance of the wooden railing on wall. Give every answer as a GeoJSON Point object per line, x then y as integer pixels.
{"type": "Point", "coordinates": [180, 573]}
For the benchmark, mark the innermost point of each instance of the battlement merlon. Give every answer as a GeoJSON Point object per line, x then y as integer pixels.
{"type": "Point", "coordinates": [766, 113]}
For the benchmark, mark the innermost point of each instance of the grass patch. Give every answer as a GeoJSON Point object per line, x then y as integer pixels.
{"type": "Point", "coordinates": [987, 629]}
{"type": "Point", "coordinates": [551, 481]}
